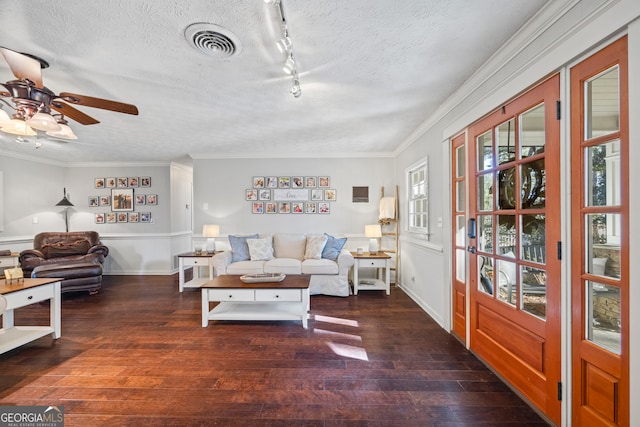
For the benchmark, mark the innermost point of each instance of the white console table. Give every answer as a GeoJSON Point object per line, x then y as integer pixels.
{"type": "Point", "coordinates": [195, 260]}
{"type": "Point", "coordinates": [23, 293]}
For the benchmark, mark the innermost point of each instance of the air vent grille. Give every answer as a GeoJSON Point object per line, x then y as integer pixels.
{"type": "Point", "coordinates": [212, 40]}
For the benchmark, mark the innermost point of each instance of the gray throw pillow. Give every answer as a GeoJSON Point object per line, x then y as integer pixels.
{"type": "Point", "coordinates": [239, 247]}
{"type": "Point", "coordinates": [333, 247]}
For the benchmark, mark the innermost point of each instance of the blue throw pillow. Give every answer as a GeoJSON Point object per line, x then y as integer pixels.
{"type": "Point", "coordinates": [333, 247]}
{"type": "Point", "coordinates": [239, 247]}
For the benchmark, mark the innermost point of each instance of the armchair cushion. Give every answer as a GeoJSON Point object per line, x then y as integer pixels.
{"type": "Point", "coordinates": [60, 249]}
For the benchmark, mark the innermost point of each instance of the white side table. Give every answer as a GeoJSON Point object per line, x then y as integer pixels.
{"type": "Point", "coordinates": [8, 261]}
{"type": "Point", "coordinates": [378, 261]}
{"type": "Point", "coordinates": [195, 260]}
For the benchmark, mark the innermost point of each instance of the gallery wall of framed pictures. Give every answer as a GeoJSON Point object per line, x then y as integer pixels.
{"type": "Point", "coordinates": [291, 195]}
{"type": "Point", "coordinates": [125, 201]}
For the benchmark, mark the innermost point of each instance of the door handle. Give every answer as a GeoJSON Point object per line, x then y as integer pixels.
{"type": "Point", "coordinates": [471, 249]}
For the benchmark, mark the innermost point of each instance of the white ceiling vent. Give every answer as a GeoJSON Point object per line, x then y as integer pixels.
{"type": "Point", "coordinates": [213, 40]}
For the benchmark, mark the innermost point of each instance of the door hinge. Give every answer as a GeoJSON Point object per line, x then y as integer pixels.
{"type": "Point", "coordinates": [558, 114]}
{"type": "Point", "coordinates": [560, 391]}
{"type": "Point", "coordinates": [559, 251]}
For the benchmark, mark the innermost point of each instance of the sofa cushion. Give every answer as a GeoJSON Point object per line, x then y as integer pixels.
{"type": "Point", "coordinates": [319, 266]}
{"type": "Point", "coordinates": [333, 247]}
{"type": "Point", "coordinates": [246, 267]}
{"type": "Point", "coordinates": [239, 247]}
{"type": "Point", "coordinates": [315, 245]}
{"type": "Point", "coordinates": [60, 249]}
{"type": "Point", "coordinates": [283, 265]}
{"type": "Point", "coordinates": [260, 249]}
{"type": "Point", "coordinates": [289, 245]}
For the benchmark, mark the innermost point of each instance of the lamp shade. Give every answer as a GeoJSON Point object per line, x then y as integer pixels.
{"type": "Point", "coordinates": [43, 121]}
{"type": "Point", "coordinates": [65, 132]}
{"type": "Point", "coordinates": [373, 230]}
{"type": "Point", "coordinates": [17, 127]}
{"type": "Point", "coordinates": [64, 202]}
{"type": "Point", "coordinates": [210, 230]}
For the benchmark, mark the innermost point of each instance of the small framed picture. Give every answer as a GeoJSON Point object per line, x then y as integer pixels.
{"type": "Point", "coordinates": [121, 200]}
{"type": "Point", "coordinates": [112, 218]}
{"type": "Point", "coordinates": [145, 217]}
{"type": "Point", "coordinates": [141, 199]}
{"type": "Point", "coordinates": [258, 182]}
{"type": "Point", "coordinates": [284, 207]}
{"type": "Point", "coordinates": [94, 201]}
{"type": "Point", "coordinates": [98, 183]}
{"type": "Point", "coordinates": [99, 218]}
{"type": "Point", "coordinates": [297, 207]}
{"type": "Point", "coordinates": [323, 181]}
{"type": "Point", "coordinates": [145, 181]}
{"type": "Point", "coordinates": [284, 182]}
{"type": "Point", "coordinates": [257, 207]}
{"type": "Point", "coordinates": [297, 182]}
{"type": "Point", "coordinates": [110, 183]}
{"type": "Point", "coordinates": [105, 200]}
{"type": "Point", "coordinates": [271, 182]}
{"type": "Point", "coordinates": [310, 182]}
{"type": "Point", "coordinates": [133, 217]}
{"type": "Point", "coordinates": [251, 194]}
{"type": "Point", "coordinates": [152, 199]}
{"type": "Point", "coordinates": [123, 217]}
{"type": "Point", "coordinates": [270, 207]}
{"type": "Point", "coordinates": [264, 194]}
{"type": "Point", "coordinates": [324, 208]}
{"type": "Point", "coordinates": [123, 182]}
{"type": "Point", "coordinates": [133, 181]}
{"type": "Point", "coordinates": [316, 194]}
{"type": "Point", "coordinates": [330, 195]}
{"type": "Point", "coordinates": [310, 207]}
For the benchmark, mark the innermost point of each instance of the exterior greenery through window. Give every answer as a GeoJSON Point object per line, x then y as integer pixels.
{"type": "Point", "coordinates": [418, 200]}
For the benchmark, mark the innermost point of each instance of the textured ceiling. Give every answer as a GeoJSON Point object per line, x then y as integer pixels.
{"type": "Point", "coordinates": [371, 72]}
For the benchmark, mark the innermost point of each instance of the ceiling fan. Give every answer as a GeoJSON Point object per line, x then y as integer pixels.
{"type": "Point", "coordinates": [33, 102]}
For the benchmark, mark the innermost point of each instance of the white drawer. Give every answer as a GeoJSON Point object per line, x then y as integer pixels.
{"type": "Point", "coordinates": [278, 295]}
{"type": "Point", "coordinates": [195, 261]}
{"type": "Point", "coordinates": [8, 262]}
{"type": "Point", "coordinates": [29, 296]}
{"type": "Point", "coordinates": [231, 295]}
{"type": "Point", "coordinates": [378, 263]}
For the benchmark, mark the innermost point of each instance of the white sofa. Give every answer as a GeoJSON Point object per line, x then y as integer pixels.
{"type": "Point", "coordinates": [291, 254]}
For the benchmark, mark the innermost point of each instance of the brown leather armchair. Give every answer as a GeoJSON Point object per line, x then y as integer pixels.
{"type": "Point", "coordinates": [76, 247]}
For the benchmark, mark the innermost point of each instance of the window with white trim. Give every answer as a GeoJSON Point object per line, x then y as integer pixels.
{"type": "Point", "coordinates": [418, 199]}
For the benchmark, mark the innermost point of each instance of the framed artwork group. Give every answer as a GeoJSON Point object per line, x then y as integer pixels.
{"type": "Point", "coordinates": [122, 200]}
{"type": "Point", "coordinates": [291, 195]}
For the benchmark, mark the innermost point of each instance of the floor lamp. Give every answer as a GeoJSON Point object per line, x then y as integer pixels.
{"type": "Point", "coordinates": [66, 204]}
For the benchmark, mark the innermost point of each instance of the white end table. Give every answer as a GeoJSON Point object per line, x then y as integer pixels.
{"type": "Point", "coordinates": [195, 260]}
{"type": "Point", "coordinates": [378, 261]}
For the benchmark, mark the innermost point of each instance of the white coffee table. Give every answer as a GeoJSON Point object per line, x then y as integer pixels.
{"type": "Point", "coordinates": [285, 300]}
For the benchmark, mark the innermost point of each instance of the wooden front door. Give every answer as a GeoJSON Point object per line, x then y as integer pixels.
{"type": "Point", "coordinates": [600, 246]}
{"type": "Point", "coordinates": [514, 259]}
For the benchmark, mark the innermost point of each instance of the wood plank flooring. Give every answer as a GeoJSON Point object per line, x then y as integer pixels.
{"type": "Point", "coordinates": [136, 354]}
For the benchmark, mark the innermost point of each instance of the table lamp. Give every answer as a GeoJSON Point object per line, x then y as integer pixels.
{"type": "Point", "coordinates": [374, 232]}
{"type": "Point", "coordinates": [210, 231]}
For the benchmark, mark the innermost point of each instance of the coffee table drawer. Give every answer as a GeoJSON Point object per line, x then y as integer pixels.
{"type": "Point", "coordinates": [231, 295]}
{"type": "Point", "coordinates": [29, 296]}
{"type": "Point", "coordinates": [278, 295]}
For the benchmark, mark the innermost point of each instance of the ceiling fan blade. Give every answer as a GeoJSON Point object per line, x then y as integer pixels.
{"type": "Point", "coordinates": [104, 104]}
{"type": "Point", "coordinates": [22, 66]}
{"type": "Point", "coordinates": [73, 113]}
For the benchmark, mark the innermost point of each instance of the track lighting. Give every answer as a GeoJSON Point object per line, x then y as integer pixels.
{"type": "Point", "coordinates": [285, 45]}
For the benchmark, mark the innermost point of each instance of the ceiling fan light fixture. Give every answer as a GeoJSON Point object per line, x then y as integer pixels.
{"type": "Point", "coordinates": [4, 117]}
{"type": "Point", "coordinates": [44, 122]}
{"type": "Point", "coordinates": [18, 127]}
{"type": "Point", "coordinates": [65, 132]}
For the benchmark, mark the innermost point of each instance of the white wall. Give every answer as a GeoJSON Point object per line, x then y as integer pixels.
{"type": "Point", "coordinates": [220, 184]}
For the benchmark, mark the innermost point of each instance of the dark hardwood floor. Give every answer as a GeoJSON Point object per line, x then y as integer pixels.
{"type": "Point", "coordinates": [136, 354]}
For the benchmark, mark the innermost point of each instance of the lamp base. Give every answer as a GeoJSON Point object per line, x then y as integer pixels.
{"type": "Point", "coordinates": [211, 245]}
{"type": "Point", "coordinates": [373, 246]}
